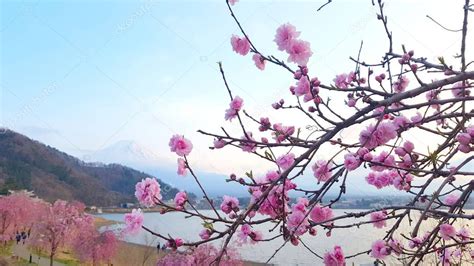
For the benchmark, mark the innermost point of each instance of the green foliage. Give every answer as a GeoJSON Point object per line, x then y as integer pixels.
{"type": "Point", "coordinates": [6, 249]}
{"type": "Point", "coordinates": [51, 174]}
{"type": "Point", "coordinates": [18, 175]}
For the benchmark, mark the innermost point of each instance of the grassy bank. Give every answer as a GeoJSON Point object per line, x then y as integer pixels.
{"type": "Point", "coordinates": [99, 222]}
{"type": "Point", "coordinates": [134, 254]}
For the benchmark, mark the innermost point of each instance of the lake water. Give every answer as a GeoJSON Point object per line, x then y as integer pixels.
{"type": "Point", "coordinates": [352, 240]}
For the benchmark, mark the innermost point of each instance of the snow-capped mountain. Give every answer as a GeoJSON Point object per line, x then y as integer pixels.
{"type": "Point", "coordinates": [127, 152]}
{"type": "Point", "coordinates": [132, 154]}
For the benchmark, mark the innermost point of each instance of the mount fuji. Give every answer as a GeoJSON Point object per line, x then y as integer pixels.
{"type": "Point", "coordinates": [133, 154]}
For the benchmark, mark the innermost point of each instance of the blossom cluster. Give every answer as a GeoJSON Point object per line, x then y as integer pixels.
{"type": "Point", "coordinates": [384, 107]}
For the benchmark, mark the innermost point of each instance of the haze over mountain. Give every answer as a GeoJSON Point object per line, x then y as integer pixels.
{"type": "Point", "coordinates": [52, 174]}
{"type": "Point", "coordinates": [133, 154]}
{"type": "Point", "coordinates": [126, 152]}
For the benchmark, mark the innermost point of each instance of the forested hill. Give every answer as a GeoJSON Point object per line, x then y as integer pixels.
{"type": "Point", "coordinates": [52, 174]}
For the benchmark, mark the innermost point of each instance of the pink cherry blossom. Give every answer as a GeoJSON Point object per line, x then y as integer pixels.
{"type": "Point", "coordinates": [282, 132]}
{"type": "Point", "coordinates": [272, 176]}
{"type": "Point", "coordinates": [400, 151]}
{"type": "Point", "coordinates": [451, 199]}
{"type": "Point", "coordinates": [447, 231]}
{"type": "Point", "coordinates": [464, 148]}
{"type": "Point", "coordinates": [180, 200]}
{"type": "Point", "coordinates": [385, 132]}
{"type": "Point", "coordinates": [361, 152]}
{"type": "Point", "coordinates": [297, 222]}
{"type": "Point", "coordinates": [247, 232]}
{"type": "Point", "coordinates": [286, 161]}
{"type": "Point", "coordinates": [379, 179]}
{"type": "Point", "coordinates": [401, 122]}
{"type": "Point", "coordinates": [395, 246]}
{"type": "Point", "coordinates": [299, 52]}
{"type": "Point", "coordinates": [382, 161]}
{"type": "Point", "coordinates": [334, 257]}
{"type": "Point", "coordinates": [342, 81]}
{"type": "Point", "coordinates": [182, 167]}
{"type": "Point", "coordinates": [322, 170]}
{"type": "Point", "coordinates": [240, 45]}
{"type": "Point", "coordinates": [372, 137]}
{"type": "Point", "coordinates": [205, 234]}
{"type": "Point", "coordinates": [133, 221]}
{"type": "Point", "coordinates": [300, 205]}
{"type": "Point", "coordinates": [408, 146]}
{"type": "Point", "coordinates": [405, 59]}
{"type": "Point", "coordinates": [351, 77]}
{"type": "Point", "coordinates": [148, 192]}
{"type": "Point", "coordinates": [464, 138]}
{"type": "Point", "coordinates": [229, 204]}
{"type": "Point", "coordinates": [433, 95]}
{"type": "Point", "coordinates": [460, 90]}
{"type": "Point", "coordinates": [463, 234]}
{"type": "Point", "coordinates": [377, 219]}
{"type": "Point", "coordinates": [302, 87]}
{"type": "Point", "coordinates": [180, 145]}
{"type": "Point", "coordinates": [247, 143]}
{"type": "Point", "coordinates": [273, 205]}
{"type": "Point", "coordinates": [446, 257]}
{"type": "Point", "coordinates": [276, 105]}
{"type": "Point", "coordinates": [234, 107]}
{"type": "Point", "coordinates": [367, 137]}
{"type": "Point", "coordinates": [285, 35]}
{"type": "Point", "coordinates": [204, 254]}
{"type": "Point", "coordinates": [246, 229]}
{"type": "Point", "coordinates": [259, 61]}
{"type": "Point", "coordinates": [351, 161]}
{"type": "Point", "coordinates": [90, 245]}
{"type": "Point", "coordinates": [380, 249]}
{"type": "Point", "coordinates": [219, 143]}
{"type": "Point", "coordinates": [416, 119]}
{"type": "Point", "coordinates": [380, 77]}
{"type": "Point", "coordinates": [415, 242]}
{"type": "Point", "coordinates": [351, 102]}
{"type": "Point", "coordinates": [406, 161]}
{"type": "Point", "coordinates": [401, 180]}
{"type": "Point", "coordinates": [174, 243]}
{"type": "Point", "coordinates": [321, 214]}
{"type": "Point", "coordinates": [236, 103]}
{"type": "Point", "coordinates": [256, 236]}
{"type": "Point", "coordinates": [470, 131]}
{"type": "Point", "coordinates": [232, 2]}
{"type": "Point", "coordinates": [401, 84]}
{"type": "Point", "coordinates": [264, 124]}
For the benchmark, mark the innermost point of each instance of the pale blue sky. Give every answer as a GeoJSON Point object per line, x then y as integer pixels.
{"type": "Point", "coordinates": [81, 75]}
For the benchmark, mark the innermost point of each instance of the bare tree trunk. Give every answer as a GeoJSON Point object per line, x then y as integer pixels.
{"type": "Point", "coordinates": [51, 256]}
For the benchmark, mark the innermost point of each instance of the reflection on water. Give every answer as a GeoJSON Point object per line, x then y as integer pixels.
{"type": "Point", "coordinates": [352, 240]}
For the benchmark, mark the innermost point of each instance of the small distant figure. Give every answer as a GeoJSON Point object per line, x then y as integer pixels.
{"type": "Point", "coordinates": [18, 238]}
{"type": "Point", "coordinates": [158, 247]}
{"type": "Point", "coordinates": [23, 236]}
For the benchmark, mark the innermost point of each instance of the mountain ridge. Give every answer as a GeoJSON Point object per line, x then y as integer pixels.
{"type": "Point", "coordinates": [52, 174]}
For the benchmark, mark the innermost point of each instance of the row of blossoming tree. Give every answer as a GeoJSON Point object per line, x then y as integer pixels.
{"type": "Point", "coordinates": [51, 227]}
{"type": "Point", "coordinates": [389, 101]}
